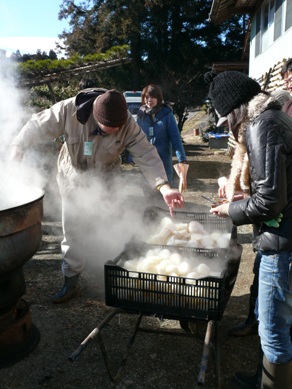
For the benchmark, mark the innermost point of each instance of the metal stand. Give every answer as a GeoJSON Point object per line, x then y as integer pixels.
{"type": "Point", "coordinates": [210, 341]}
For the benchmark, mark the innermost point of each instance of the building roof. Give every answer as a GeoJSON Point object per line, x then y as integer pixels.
{"type": "Point", "coordinates": [222, 10]}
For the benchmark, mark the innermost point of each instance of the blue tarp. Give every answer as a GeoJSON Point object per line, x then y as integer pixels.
{"type": "Point", "coordinates": [217, 136]}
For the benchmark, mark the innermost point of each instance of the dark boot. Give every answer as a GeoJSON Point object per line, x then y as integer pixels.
{"type": "Point", "coordinates": [70, 288]}
{"type": "Point", "coordinates": [276, 376]}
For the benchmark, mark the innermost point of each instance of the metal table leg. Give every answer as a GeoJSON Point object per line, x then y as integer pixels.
{"type": "Point", "coordinates": [96, 333]}
{"type": "Point", "coordinates": [212, 325]}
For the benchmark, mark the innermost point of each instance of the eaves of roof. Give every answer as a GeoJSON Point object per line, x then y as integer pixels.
{"type": "Point", "coordinates": [222, 10]}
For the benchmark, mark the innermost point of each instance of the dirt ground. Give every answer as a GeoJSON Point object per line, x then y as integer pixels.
{"type": "Point", "coordinates": [156, 360]}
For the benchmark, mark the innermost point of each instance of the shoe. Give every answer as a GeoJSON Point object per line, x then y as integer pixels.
{"type": "Point", "coordinates": [248, 327]}
{"type": "Point", "coordinates": [70, 288]}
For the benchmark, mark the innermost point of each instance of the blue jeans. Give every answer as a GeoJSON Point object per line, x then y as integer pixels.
{"type": "Point", "coordinates": [275, 305]}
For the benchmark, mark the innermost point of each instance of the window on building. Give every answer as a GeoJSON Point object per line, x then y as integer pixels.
{"type": "Point", "coordinates": [268, 23]}
{"type": "Point", "coordinates": [258, 34]}
{"type": "Point", "coordinates": [278, 19]}
{"type": "Point", "coordinates": [288, 21]}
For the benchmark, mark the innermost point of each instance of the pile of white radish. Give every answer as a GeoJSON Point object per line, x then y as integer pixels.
{"type": "Point", "coordinates": [191, 234]}
{"type": "Point", "coordinates": [168, 263]}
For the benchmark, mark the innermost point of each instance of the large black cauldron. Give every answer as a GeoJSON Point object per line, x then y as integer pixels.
{"type": "Point", "coordinates": [20, 237]}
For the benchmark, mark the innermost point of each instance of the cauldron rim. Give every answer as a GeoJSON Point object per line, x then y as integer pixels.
{"type": "Point", "coordinates": [25, 203]}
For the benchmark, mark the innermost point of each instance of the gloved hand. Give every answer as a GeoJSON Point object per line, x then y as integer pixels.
{"type": "Point", "coordinates": [182, 170]}
{"type": "Point", "coordinates": [274, 222]}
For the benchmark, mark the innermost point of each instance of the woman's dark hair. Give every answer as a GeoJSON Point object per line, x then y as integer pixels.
{"type": "Point", "coordinates": [235, 118]}
{"type": "Point", "coordinates": [152, 90]}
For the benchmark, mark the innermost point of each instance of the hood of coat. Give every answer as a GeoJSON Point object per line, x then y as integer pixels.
{"type": "Point", "coordinates": [84, 103]}
{"type": "Point", "coordinates": [261, 103]}
{"type": "Point", "coordinates": [257, 105]}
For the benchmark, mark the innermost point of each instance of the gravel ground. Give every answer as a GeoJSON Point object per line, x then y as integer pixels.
{"type": "Point", "coordinates": [156, 360]}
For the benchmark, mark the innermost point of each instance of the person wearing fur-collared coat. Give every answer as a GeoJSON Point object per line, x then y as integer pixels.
{"type": "Point", "coordinates": [267, 133]}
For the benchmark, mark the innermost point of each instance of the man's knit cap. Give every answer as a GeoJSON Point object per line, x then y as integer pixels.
{"type": "Point", "coordinates": [229, 89]}
{"type": "Point", "coordinates": [110, 109]}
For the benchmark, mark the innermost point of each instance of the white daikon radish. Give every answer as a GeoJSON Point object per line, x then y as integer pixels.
{"type": "Point", "coordinates": [196, 237]}
{"type": "Point", "coordinates": [175, 258]}
{"type": "Point", "coordinates": [179, 242]}
{"type": "Point", "coordinates": [161, 266]}
{"type": "Point", "coordinates": [223, 243]}
{"type": "Point", "coordinates": [192, 274]}
{"type": "Point", "coordinates": [165, 254]}
{"type": "Point", "coordinates": [149, 267]}
{"type": "Point", "coordinates": [141, 265]}
{"type": "Point", "coordinates": [207, 242]}
{"type": "Point", "coordinates": [181, 226]}
{"type": "Point", "coordinates": [192, 243]}
{"type": "Point", "coordinates": [166, 221]}
{"type": "Point", "coordinates": [182, 234]}
{"type": "Point", "coordinates": [183, 269]}
{"type": "Point", "coordinates": [215, 235]}
{"type": "Point", "coordinates": [145, 266]}
{"type": "Point", "coordinates": [154, 239]}
{"type": "Point", "coordinates": [191, 278]}
{"type": "Point", "coordinates": [170, 241]}
{"type": "Point", "coordinates": [130, 265]}
{"type": "Point", "coordinates": [203, 270]}
{"type": "Point", "coordinates": [164, 235]}
{"type": "Point", "coordinates": [171, 269]}
{"type": "Point", "coordinates": [196, 227]}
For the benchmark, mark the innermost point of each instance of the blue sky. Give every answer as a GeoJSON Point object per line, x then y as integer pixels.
{"type": "Point", "coordinates": [29, 25]}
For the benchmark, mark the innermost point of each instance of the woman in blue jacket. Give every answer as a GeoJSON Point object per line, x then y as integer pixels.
{"type": "Point", "coordinates": [158, 122]}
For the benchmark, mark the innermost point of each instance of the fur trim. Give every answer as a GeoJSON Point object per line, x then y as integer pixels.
{"type": "Point", "coordinates": [239, 179]}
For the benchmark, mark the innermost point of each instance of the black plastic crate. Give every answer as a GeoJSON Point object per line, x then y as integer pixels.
{"type": "Point", "coordinates": [169, 296]}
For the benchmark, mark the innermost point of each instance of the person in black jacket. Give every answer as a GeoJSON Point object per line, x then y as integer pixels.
{"type": "Point", "coordinates": [266, 133]}
{"type": "Point", "coordinates": [226, 190]}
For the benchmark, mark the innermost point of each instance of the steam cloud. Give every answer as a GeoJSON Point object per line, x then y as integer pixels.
{"type": "Point", "coordinates": [108, 216]}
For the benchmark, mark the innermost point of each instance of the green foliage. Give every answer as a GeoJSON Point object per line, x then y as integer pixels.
{"type": "Point", "coordinates": [35, 68]}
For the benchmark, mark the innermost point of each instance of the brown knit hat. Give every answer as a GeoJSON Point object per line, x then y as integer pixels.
{"type": "Point", "coordinates": [110, 109]}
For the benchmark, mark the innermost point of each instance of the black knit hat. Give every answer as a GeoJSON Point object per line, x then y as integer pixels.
{"type": "Point", "coordinates": [110, 109]}
{"type": "Point", "coordinates": [228, 90]}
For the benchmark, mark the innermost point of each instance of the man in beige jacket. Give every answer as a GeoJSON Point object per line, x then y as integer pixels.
{"type": "Point", "coordinates": [96, 127]}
